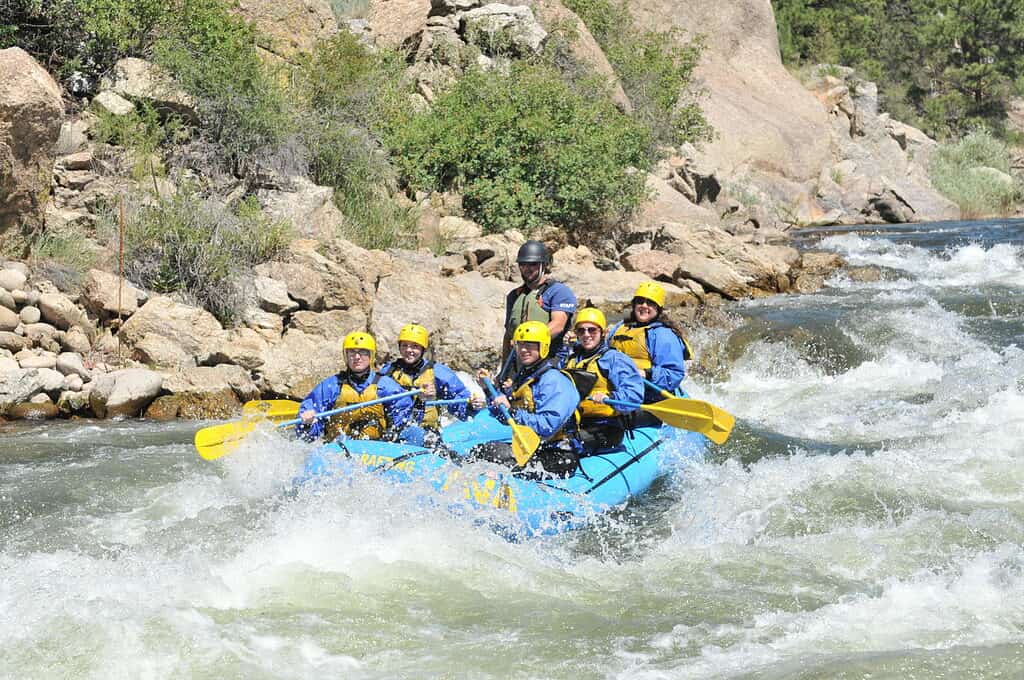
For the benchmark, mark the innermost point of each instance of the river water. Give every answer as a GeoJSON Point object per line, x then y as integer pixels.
{"type": "Point", "coordinates": [865, 520]}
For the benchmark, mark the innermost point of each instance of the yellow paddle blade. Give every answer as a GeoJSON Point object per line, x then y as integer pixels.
{"type": "Point", "coordinates": [276, 410]}
{"type": "Point", "coordinates": [524, 443]}
{"type": "Point", "coordinates": [218, 440]}
{"type": "Point", "coordinates": [721, 427]}
{"type": "Point", "coordinates": [694, 415]}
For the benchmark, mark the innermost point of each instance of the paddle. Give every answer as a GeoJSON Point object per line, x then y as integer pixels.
{"type": "Point", "coordinates": [686, 414]}
{"type": "Point", "coordinates": [524, 440]}
{"type": "Point", "coordinates": [446, 402]}
{"type": "Point", "coordinates": [721, 421]}
{"type": "Point", "coordinates": [271, 409]}
{"type": "Point", "coordinates": [218, 440]}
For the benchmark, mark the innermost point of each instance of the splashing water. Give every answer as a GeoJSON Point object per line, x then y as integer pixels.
{"type": "Point", "coordinates": [865, 520]}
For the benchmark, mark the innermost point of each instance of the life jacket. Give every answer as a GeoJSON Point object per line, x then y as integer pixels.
{"type": "Point", "coordinates": [522, 398]}
{"type": "Point", "coordinates": [428, 416]}
{"type": "Point", "coordinates": [527, 306]}
{"type": "Point", "coordinates": [364, 423]}
{"type": "Point", "coordinates": [632, 341]}
{"type": "Point", "coordinates": [589, 409]}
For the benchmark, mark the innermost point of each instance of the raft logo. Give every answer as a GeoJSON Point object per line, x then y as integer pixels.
{"type": "Point", "coordinates": [370, 460]}
{"type": "Point", "coordinates": [482, 492]}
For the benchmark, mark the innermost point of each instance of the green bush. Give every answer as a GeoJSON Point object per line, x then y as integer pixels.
{"type": "Point", "coordinates": [957, 170]}
{"type": "Point", "coordinates": [199, 248]}
{"type": "Point", "coordinates": [242, 105]}
{"type": "Point", "coordinates": [86, 36]}
{"type": "Point", "coordinates": [654, 67]}
{"type": "Point", "coordinates": [350, 96]}
{"type": "Point", "coordinates": [525, 151]}
{"type": "Point", "coordinates": [143, 132]}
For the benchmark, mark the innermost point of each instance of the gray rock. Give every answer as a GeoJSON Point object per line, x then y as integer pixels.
{"type": "Point", "coordinates": [70, 363]}
{"type": "Point", "coordinates": [124, 393]}
{"type": "Point", "coordinates": [8, 364]}
{"type": "Point", "coordinates": [100, 295]}
{"type": "Point", "coordinates": [59, 310]}
{"type": "Point", "coordinates": [12, 279]}
{"type": "Point", "coordinates": [30, 314]}
{"type": "Point", "coordinates": [9, 320]}
{"type": "Point", "coordinates": [273, 295]}
{"type": "Point", "coordinates": [37, 360]}
{"type": "Point", "coordinates": [74, 383]}
{"type": "Point", "coordinates": [19, 386]}
{"type": "Point", "coordinates": [112, 103]}
{"type": "Point", "coordinates": [12, 341]}
{"type": "Point", "coordinates": [75, 340]}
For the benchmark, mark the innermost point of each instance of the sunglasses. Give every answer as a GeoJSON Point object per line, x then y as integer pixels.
{"type": "Point", "coordinates": [644, 301]}
{"type": "Point", "coordinates": [359, 352]}
{"type": "Point", "coordinates": [588, 330]}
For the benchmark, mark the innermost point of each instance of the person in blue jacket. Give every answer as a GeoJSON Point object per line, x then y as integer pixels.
{"type": "Point", "coordinates": [358, 383]}
{"type": "Point", "coordinates": [542, 398]}
{"type": "Point", "coordinates": [413, 370]}
{"type": "Point", "coordinates": [538, 299]}
{"type": "Point", "coordinates": [612, 374]}
{"type": "Point", "coordinates": [656, 348]}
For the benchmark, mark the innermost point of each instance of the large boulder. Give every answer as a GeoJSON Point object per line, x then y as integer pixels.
{"type": "Point", "coordinates": [307, 206]}
{"type": "Point", "coordinates": [463, 314]}
{"type": "Point", "coordinates": [395, 22]}
{"type": "Point", "coordinates": [124, 393]}
{"type": "Point", "coordinates": [318, 283]}
{"type": "Point", "coordinates": [187, 331]}
{"type": "Point", "coordinates": [765, 119]}
{"type": "Point", "coordinates": [243, 347]}
{"type": "Point", "coordinates": [108, 295]}
{"type": "Point", "coordinates": [294, 365]}
{"type": "Point", "coordinates": [140, 80]}
{"type": "Point", "coordinates": [204, 392]}
{"type": "Point", "coordinates": [31, 109]}
{"type": "Point", "coordinates": [19, 385]}
{"type": "Point", "coordinates": [293, 27]}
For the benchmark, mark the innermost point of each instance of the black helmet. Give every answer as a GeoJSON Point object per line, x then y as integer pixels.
{"type": "Point", "coordinates": [533, 251]}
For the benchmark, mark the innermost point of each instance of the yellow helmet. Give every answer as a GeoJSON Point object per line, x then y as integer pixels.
{"type": "Point", "coordinates": [652, 291]}
{"type": "Point", "coordinates": [534, 331]}
{"type": "Point", "coordinates": [414, 333]}
{"type": "Point", "coordinates": [360, 340]}
{"type": "Point", "coordinates": [592, 315]}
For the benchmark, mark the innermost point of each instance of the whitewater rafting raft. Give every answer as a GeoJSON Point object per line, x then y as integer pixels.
{"type": "Point", "coordinates": [514, 503]}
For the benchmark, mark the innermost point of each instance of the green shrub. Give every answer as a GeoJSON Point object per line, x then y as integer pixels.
{"type": "Point", "coordinates": [81, 35]}
{"type": "Point", "coordinates": [66, 247]}
{"type": "Point", "coordinates": [957, 170]}
{"type": "Point", "coordinates": [199, 248]}
{"type": "Point", "coordinates": [242, 106]}
{"type": "Point", "coordinates": [525, 151]}
{"type": "Point", "coordinates": [350, 96]}
{"type": "Point", "coordinates": [654, 67]}
{"type": "Point", "coordinates": [143, 132]}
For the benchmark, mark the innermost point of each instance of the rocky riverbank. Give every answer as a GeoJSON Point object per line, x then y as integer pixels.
{"type": "Point", "coordinates": [101, 347]}
{"type": "Point", "coordinates": [787, 154]}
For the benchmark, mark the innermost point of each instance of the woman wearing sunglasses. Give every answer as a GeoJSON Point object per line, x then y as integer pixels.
{"type": "Point", "coordinates": [614, 376]}
{"type": "Point", "coordinates": [656, 348]}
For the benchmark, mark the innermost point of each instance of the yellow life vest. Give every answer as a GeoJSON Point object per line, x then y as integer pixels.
{"type": "Point", "coordinates": [364, 423]}
{"type": "Point", "coordinates": [522, 398]}
{"type": "Point", "coordinates": [425, 376]}
{"type": "Point", "coordinates": [632, 341]}
{"type": "Point", "coordinates": [590, 409]}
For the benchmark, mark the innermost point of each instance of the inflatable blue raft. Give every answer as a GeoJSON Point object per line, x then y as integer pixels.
{"type": "Point", "coordinates": [515, 504]}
